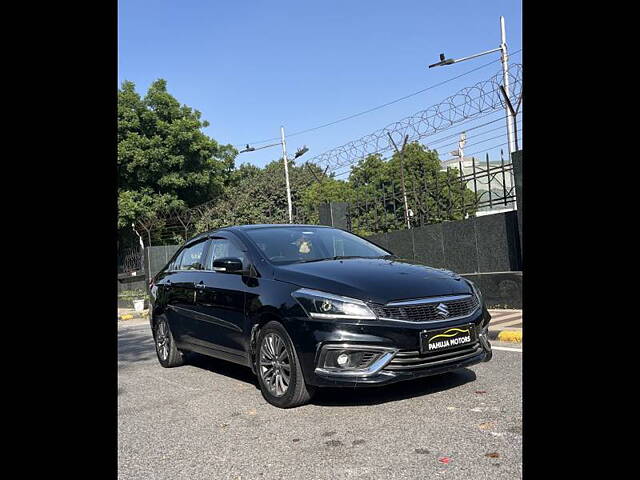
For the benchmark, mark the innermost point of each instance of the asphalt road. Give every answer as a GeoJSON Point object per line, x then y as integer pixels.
{"type": "Point", "coordinates": [208, 420]}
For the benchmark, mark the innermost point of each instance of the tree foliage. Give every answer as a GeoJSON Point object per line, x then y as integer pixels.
{"type": "Point", "coordinates": [432, 195]}
{"type": "Point", "coordinates": [165, 161]}
{"type": "Point", "coordinates": [258, 195]}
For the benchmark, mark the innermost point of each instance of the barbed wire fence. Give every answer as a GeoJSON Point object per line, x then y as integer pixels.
{"type": "Point", "coordinates": [482, 98]}
{"type": "Point", "coordinates": [477, 109]}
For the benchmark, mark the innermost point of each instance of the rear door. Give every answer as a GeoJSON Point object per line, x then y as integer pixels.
{"type": "Point", "coordinates": [164, 294]}
{"type": "Point", "coordinates": [181, 290]}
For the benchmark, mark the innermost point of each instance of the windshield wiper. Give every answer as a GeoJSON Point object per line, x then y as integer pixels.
{"type": "Point", "coordinates": [337, 257]}
{"type": "Point", "coordinates": [342, 257]}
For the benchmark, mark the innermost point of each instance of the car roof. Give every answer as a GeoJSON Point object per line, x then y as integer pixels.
{"type": "Point", "coordinates": [251, 227]}
{"type": "Point", "coordinates": [277, 225]}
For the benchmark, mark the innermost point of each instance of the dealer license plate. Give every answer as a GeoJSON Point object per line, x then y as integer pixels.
{"type": "Point", "coordinates": [443, 339]}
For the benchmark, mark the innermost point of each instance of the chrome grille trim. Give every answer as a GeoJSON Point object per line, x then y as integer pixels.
{"type": "Point", "coordinates": [413, 360]}
{"type": "Point", "coordinates": [420, 301]}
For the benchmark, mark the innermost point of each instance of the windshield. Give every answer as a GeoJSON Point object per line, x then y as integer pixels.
{"type": "Point", "coordinates": [306, 244]}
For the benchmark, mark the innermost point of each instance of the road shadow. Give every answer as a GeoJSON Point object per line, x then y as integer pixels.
{"type": "Point", "coordinates": [222, 367]}
{"type": "Point", "coordinates": [135, 345]}
{"type": "Point", "coordinates": [343, 397]}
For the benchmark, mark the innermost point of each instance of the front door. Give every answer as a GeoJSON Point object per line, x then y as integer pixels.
{"type": "Point", "coordinates": [220, 299]}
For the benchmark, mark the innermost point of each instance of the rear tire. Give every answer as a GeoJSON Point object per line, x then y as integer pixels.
{"type": "Point", "coordinates": [278, 368]}
{"type": "Point", "coordinates": [168, 354]}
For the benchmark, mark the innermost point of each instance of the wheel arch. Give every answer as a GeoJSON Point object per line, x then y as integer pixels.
{"type": "Point", "coordinates": [262, 317]}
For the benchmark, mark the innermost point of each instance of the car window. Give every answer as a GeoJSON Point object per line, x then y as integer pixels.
{"type": "Point", "coordinates": [299, 244]}
{"type": "Point", "coordinates": [174, 264]}
{"type": "Point", "coordinates": [191, 257]}
{"type": "Point", "coordinates": [223, 247]}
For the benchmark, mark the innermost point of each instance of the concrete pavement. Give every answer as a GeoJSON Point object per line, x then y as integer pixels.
{"type": "Point", "coordinates": [208, 419]}
{"type": "Point", "coordinates": [506, 325]}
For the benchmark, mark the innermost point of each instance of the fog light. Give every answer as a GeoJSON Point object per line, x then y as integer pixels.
{"type": "Point", "coordinates": [343, 359]}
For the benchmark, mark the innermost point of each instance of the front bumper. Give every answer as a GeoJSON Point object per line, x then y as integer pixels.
{"type": "Point", "coordinates": [400, 341]}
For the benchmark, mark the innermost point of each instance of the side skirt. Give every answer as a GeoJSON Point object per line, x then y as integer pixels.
{"type": "Point", "coordinates": [211, 352]}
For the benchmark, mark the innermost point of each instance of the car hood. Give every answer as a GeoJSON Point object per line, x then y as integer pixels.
{"type": "Point", "coordinates": [373, 279]}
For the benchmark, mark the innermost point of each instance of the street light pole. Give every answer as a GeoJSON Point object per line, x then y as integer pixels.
{"type": "Point", "coordinates": [504, 59]}
{"type": "Point", "coordinates": [286, 173]}
{"type": "Point", "coordinates": [301, 151]}
{"type": "Point", "coordinates": [404, 190]}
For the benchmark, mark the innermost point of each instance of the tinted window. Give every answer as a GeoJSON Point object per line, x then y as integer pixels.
{"type": "Point", "coordinates": [298, 244]}
{"type": "Point", "coordinates": [191, 257]}
{"type": "Point", "coordinates": [221, 248]}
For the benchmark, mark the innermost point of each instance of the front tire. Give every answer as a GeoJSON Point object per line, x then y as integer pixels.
{"type": "Point", "coordinates": [168, 354]}
{"type": "Point", "coordinates": [278, 368]}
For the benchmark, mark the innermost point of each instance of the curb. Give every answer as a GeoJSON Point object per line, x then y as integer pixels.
{"type": "Point", "coordinates": [514, 336]}
{"type": "Point", "coordinates": [131, 316]}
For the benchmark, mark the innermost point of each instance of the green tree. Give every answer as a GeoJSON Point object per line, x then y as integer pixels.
{"type": "Point", "coordinates": [165, 161]}
{"type": "Point", "coordinates": [258, 195]}
{"type": "Point", "coordinates": [433, 195]}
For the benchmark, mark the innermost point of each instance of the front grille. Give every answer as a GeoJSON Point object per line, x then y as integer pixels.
{"type": "Point", "coordinates": [406, 360]}
{"type": "Point", "coordinates": [427, 312]}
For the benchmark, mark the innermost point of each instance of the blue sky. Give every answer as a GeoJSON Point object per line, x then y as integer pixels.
{"type": "Point", "coordinates": [251, 66]}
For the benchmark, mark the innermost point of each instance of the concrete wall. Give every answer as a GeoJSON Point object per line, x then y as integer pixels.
{"type": "Point", "coordinates": [128, 282]}
{"type": "Point", "coordinates": [499, 289]}
{"type": "Point", "coordinates": [479, 244]}
{"type": "Point", "coordinates": [485, 249]}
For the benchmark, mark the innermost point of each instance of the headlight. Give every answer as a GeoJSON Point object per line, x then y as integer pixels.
{"type": "Point", "coordinates": [327, 305]}
{"type": "Point", "coordinates": [476, 291]}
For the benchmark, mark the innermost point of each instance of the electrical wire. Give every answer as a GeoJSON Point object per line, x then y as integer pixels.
{"type": "Point", "coordinates": [379, 106]}
{"type": "Point", "coordinates": [456, 125]}
{"type": "Point", "coordinates": [519, 130]}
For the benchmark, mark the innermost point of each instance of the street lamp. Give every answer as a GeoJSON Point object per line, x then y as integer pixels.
{"type": "Point", "coordinates": [301, 151]}
{"type": "Point", "coordinates": [505, 77]}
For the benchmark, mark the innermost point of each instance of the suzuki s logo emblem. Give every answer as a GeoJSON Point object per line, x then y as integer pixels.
{"type": "Point", "coordinates": [442, 310]}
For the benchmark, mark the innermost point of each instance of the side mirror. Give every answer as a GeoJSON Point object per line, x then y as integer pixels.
{"type": "Point", "coordinates": [227, 265]}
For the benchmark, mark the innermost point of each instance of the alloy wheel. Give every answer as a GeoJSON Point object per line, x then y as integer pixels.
{"type": "Point", "coordinates": [162, 340]}
{"type": "Point", "coordinates": [275, 365]}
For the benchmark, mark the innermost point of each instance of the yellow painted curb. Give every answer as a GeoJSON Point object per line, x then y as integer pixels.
{"type": "Point", "coordinates": [510, 336]}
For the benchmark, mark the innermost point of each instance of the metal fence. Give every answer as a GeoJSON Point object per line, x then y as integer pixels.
{"type": "Point", "coordinates": [175, 227]}
{"type": "Point", "coordinates": [476, 187]}
{"type": "Point", "coordinates": [129, 260]}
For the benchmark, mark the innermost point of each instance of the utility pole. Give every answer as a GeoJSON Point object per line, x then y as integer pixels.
{"type": "Point", "coordinates": [461, 143]}
{"type": "Point", "coordinates": [504, 59]}
{"type": "Point", "coordinates": [460, 151]}
{"type": "Point", "coordinates": [299, 153]}
{"type": "Point", "coordinates": [286, 173]}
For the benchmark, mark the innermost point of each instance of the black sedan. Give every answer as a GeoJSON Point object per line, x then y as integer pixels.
{"type": "Point", "coordinates": [311, 306]}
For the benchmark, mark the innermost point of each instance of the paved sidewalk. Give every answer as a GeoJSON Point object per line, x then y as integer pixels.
{"type": "Point", "coordinates": [506, 325]}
